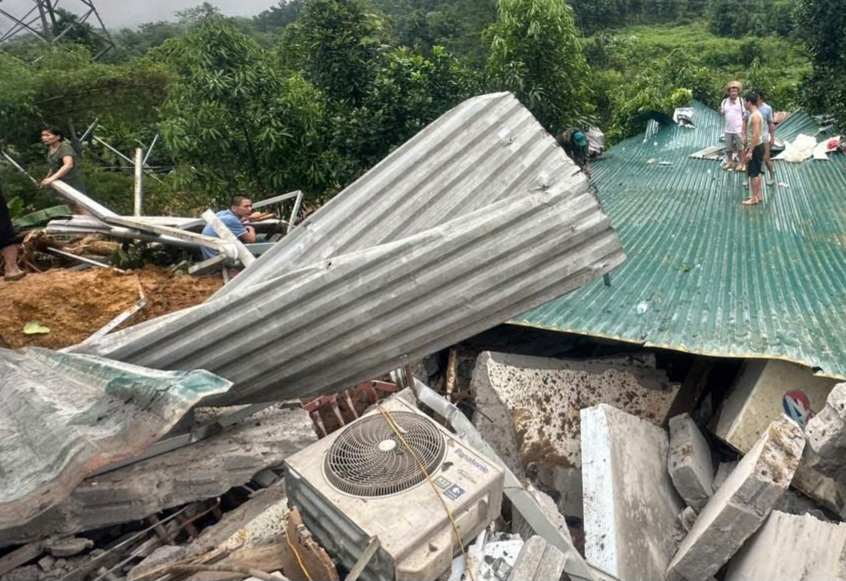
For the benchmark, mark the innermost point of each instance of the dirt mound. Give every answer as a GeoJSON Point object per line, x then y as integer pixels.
{"type": "Point", "coordinates": [75, 304]}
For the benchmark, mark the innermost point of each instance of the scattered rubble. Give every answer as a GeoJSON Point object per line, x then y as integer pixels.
{"type": "Point", "coordinates": [528, 410]}
{"type": "Point", "coordinates": [741, 504]}
{"type": "Point", "coordinates": [206, 469]}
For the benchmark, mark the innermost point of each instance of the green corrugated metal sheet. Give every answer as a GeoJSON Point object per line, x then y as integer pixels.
{"type": "Point", "coordinates": [707, 275]}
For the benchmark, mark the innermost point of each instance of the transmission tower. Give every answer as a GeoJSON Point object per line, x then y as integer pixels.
{"type": "Point", "coordinates": [40, 21]}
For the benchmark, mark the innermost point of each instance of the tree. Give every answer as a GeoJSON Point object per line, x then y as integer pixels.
{"type": "Point", "coordinates": [536, 54]}
{"type": "Point", "coordinates": [409, 92]}
{"type": "Point", "coordinates": [238, 121]}
{"type": "Point", "coordinates": [334, 43]}
{"type": "Point", "coordinates": [822, 23]}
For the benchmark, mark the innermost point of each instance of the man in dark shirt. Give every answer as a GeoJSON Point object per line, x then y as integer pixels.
{"type": "Point", "coordinates": [8, 243]}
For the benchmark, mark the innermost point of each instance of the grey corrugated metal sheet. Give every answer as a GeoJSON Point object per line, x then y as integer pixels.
{"type": "Point", "coordinates": [486, 149]}
{"type": "Point", "coordinates": [63, 417]}
{"type": "Point", "coordinates": [707, 275]}
{"type": "Point", "coordinates": [476, 219]}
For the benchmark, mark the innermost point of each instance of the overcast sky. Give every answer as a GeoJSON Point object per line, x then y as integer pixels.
{"type": "Point", "coordinates": [120, 13]}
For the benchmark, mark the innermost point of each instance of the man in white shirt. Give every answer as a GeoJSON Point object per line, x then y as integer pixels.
{"type": "Point", "coordinates": [733, 111]}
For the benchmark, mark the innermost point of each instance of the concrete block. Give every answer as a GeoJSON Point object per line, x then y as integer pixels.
{"type": "Point", "coordinates": [631, 508]}
{"type": "Point", "coordinates": [741, 504]}
{"type": "Point", "coordinates": [792, 548]}
{"type": "Point", "coordinates": [756, 399]}
{"type": "Point", "coordinates": [529, 410]}
{"type": "Point", "coordinates": [202, 470]}
{"type": "Point", "coordinates": [826, 433]}
{"type": "Point", "coordinates": [538, 561]}
{"type": "Point", "coordinates": [689, 462]}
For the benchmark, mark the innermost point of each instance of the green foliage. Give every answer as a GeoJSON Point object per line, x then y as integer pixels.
{"type": "Point", "coordinates": [595, 15]}
{"type": "Point", "coordinates": [823, 23]}
{"type": "Point", "coordinates": [335, 44]}
{"type": "Point", "coordinates": [535, 53]}
{"type": "Point", "coordinates": [649, 63]}
{"type": "Point", "coordinates": [237, 120]}
{"type": "Point", "coordinates": [758, 17]}
{"type": "Point", "coordinates": [456, 25]}
{"type": "Point", "coordinates": [409, 92]}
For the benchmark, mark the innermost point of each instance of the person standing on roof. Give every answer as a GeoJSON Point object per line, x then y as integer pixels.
{"type": "Point", "coordinates": [732, 111]}
{"type": "Point", "coordinates": [754, 154]}
{"type": "Point", "coordinates": [769, 136]}
{"type": "Point", "coordinates": [236, 219]}
{"type": "Point", "coordinates": [62, 160]}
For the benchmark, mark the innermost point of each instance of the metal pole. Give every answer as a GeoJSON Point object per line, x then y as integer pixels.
{"type": "Point", "coordinates": [42, 13]}
{"type": "Point", "coordinates": [139, 182]}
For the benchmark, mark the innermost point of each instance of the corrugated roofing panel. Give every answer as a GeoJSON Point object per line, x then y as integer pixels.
{"type": "Point", "coordinates": [478, 218]}
{"type": "Point", "coordinates": [484, 150]}
{"type": "Point", "coordinates": [707, 275]}
{"type": "Point", "coordinates": [63, 417]}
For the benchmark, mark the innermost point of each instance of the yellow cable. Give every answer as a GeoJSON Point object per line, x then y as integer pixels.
{"type": "Point", "coordinates": [297, 556]}
{"type": "Point", "coordinates": [395, 427]}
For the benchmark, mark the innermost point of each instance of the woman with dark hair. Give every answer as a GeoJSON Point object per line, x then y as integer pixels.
{"type": "Point", "coordinates": [8, 243]}
{"type": "Point", "coordinates": [61, 160]}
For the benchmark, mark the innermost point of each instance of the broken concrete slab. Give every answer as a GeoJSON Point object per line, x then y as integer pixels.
{"type": "Point", "coordinates": [65, 416]}
{"type": "Point", "coordinates": [202, 470]}
{"type": "Point", "coordinates": [689, 462]}
{"type": "Point", "coordinates": [741, 504]}
{"type": "Point", "coordinates": [529, 409]}
{"type": "Point", "coordinates": [537, 561]}
{"type": "Point", "coordinates": [631, 508]}
{"type": "Point", "coordinates": [756, 399]}
{"type": "Point", "coordinates": [826, 433]}
{"type": "Point", "coordinates": [792, 548]}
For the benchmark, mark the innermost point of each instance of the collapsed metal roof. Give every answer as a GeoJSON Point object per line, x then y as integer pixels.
{"type": "Point", "coordinates": [707, 275]}
{"type": "Point", "coordinates": [65, 416]}
{"type": "Point", "coordinates": [478, 218]}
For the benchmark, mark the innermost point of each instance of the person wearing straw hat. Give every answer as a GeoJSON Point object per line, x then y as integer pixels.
{"type": "Point", "coordinates": [733, 112]}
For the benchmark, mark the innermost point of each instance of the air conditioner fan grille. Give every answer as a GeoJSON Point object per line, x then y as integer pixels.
{"type": "Point", "coordinates": [368, 459]}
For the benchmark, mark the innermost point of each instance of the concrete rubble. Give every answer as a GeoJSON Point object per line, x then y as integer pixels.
{"type": "Point", "coordinates": [529, 410]}
{"type": "Point", "coordinates": [203, 470]}
{"type": "Point", "coordinates": [741, 504]}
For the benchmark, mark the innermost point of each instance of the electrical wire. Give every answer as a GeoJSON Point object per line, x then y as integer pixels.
{"type": "Point", "coordinates": [395, 427]}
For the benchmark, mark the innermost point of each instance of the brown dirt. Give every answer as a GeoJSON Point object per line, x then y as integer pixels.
{"type": "Point", "coordinates": [75, 304]}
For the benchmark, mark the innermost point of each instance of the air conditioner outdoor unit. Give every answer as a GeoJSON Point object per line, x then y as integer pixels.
{"type": "Point", "coordinates": [361, 482]}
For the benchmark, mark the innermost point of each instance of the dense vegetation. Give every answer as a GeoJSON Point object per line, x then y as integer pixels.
{"type": "Point", "coordinates": [311, 93]}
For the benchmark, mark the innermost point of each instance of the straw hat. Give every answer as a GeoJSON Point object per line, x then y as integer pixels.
{"type": "Point", "coordinates": [736, 85]}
